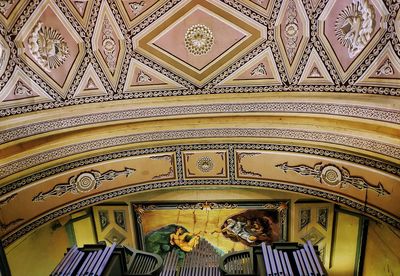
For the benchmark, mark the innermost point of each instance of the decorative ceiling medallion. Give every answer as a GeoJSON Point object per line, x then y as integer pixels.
{"type": "Point", "coordinates": [135, 11]}
{"type": "Point", "coordinates": [349, 30]}
{"type": "Point", "coordinates": [261, 70]}
{"type": "Point", "coordinates": [10, 10]}
{"type": "Point", "coordinates": [264, 7]}
{"type": "Point", "coordinates": [384, 71]}
{"type": "Point", "coordinates": [292, 32]}
{"type": "Point", "coordinates": [199, 40]}
{"type": "Point", "coordinates": [51, 47]}
{"type": "Point", "coordinates": [108, 44]}
{"type": "Point", "coordinates": [81, 9]}
{"type": "Point", "coordinates": [315, 72]}
{"type": "Point", "coordinates": [205, 164]}
{"type": "Point", "coordinates": [20, 90]}
{"type": "Point", "coordinates": [47, 47]}
{"type": "Point", "coordinates": [143, 78]}
{"type": "Point", "coordinates": [90, 84]}
{"type": "Point", "coordinates": [4, 55]}
{"type": "Point", "coordinates": [218, 35]}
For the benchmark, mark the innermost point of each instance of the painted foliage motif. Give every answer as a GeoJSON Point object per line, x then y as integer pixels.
{"type": "Point", "coordinates": [163, 228]}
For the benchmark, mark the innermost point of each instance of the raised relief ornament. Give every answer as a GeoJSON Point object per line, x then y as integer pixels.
{"type": "Point", "coordinates": [199, 40]}
{"type": "Point", "coordinates": [48, 47]}
{"type": "Point", "coordinates": [355, 25]}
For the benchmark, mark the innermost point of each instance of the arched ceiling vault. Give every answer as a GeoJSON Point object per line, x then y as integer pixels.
{"type": "Point", "coordinates": [132, 96]}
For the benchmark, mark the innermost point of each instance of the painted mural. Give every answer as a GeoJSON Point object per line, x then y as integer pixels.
{"type": "Point", "coordinates": [229, 226]}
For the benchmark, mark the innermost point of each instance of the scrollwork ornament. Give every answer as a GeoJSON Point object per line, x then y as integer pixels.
{"type": "Point", "coordinates": [291, 30]}
{"type": "Point", "coordinates": [82, 183]}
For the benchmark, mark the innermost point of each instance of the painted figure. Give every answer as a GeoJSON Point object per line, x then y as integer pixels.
{"type": "Point", "coordinates": [185, 241]}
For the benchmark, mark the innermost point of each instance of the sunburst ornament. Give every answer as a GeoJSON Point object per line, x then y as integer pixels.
{"type": "Point", "coordinates": [354, 26]}
{"type": "Point", "coordinates": [199, 39]}
{"type": "Point", "coordinates": [48, 47]}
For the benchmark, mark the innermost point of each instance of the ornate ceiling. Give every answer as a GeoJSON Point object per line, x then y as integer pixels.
{"type": "Point", "coordinates": [291, 95]}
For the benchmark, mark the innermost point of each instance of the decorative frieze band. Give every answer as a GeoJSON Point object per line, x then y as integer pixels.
{"type": "Point", "coordinates": [350, 141]}
{"type": "Point", "coordinates": [357, 111]}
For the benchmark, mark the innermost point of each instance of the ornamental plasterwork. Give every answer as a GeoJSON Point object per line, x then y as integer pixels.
{"type": "Point", "coordinates": [5, 5]}
{"type": "Point", "coordinates": [291, 30]}
{"type": "Point", "coordinates": [109, 45]}
{"type": "Point", "coordinates": [259, 70]}
{"type": "Point", "coordinates": [199, 39]}
{"type": "Point", "coordinates": [355, 25]}
{"type": "Point", "coordinates": [349, 30]}
{"type": "Point", "coordinates": [22, 90]}
{"type": "Point", "coordinates": [143, 77]}
{"type": "Point", "coordinates": [333, 176]}
{"type": "Point", "coordinates": [82, 183]}
{"type": "Point", "coordinates": [205, 164]}
{"type": "Point", "coordinates": [386, 69]}
{"type": "Point", "coordinates": [4, 55]}
{"type": "Point", "coordinates": [50, 47]}
{"type": "Point", "coordinates": [251, 148]}
{"type": "Point", "coordinates": [47, 47]}
{"type": "Point", "coordinates": [136, 7]}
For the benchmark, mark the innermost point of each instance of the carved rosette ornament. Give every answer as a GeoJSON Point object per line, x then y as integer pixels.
{"type": "Point", "coordinates": [47, 47]}
{"type": "Point", "coordinates": [205, 164]}
{"type": "Point", "coordinates": [291, 31]}
{"type": "Point", "coordinates": [199, 39]}
{"type": "Point", "coordinates": [355, 25]}
{"type": "Point", "coordinates": [109, 46]}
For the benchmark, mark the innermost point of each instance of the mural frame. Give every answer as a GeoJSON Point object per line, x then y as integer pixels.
{"type": "Point", "coordinates": [282, 208]}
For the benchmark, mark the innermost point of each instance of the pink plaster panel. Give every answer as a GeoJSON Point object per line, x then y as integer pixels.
{"type": "Point", "coordinates": [50, 19]}
{"type": "Point", "coordinates": [329, 30]}
{"type": "Point", "coordinates": [300, 25]}
{"type": "Point", "coordinates": [225, 36]}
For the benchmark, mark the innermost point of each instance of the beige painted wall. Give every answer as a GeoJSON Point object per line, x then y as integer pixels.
{"type": "Point", "coordinates": [38, 253]}
{"type": "Point", "coordinates": [344, 245]}
{"type": "Point", "coordinates": [382, 255]}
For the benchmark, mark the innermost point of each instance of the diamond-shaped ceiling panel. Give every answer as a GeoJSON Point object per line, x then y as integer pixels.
{"type": "Point", "coordinates": [51, 47]}
{"type": "Point", "coordinates": [199, 40]}
{"type": "Point", "coordinates": [350, 29]}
